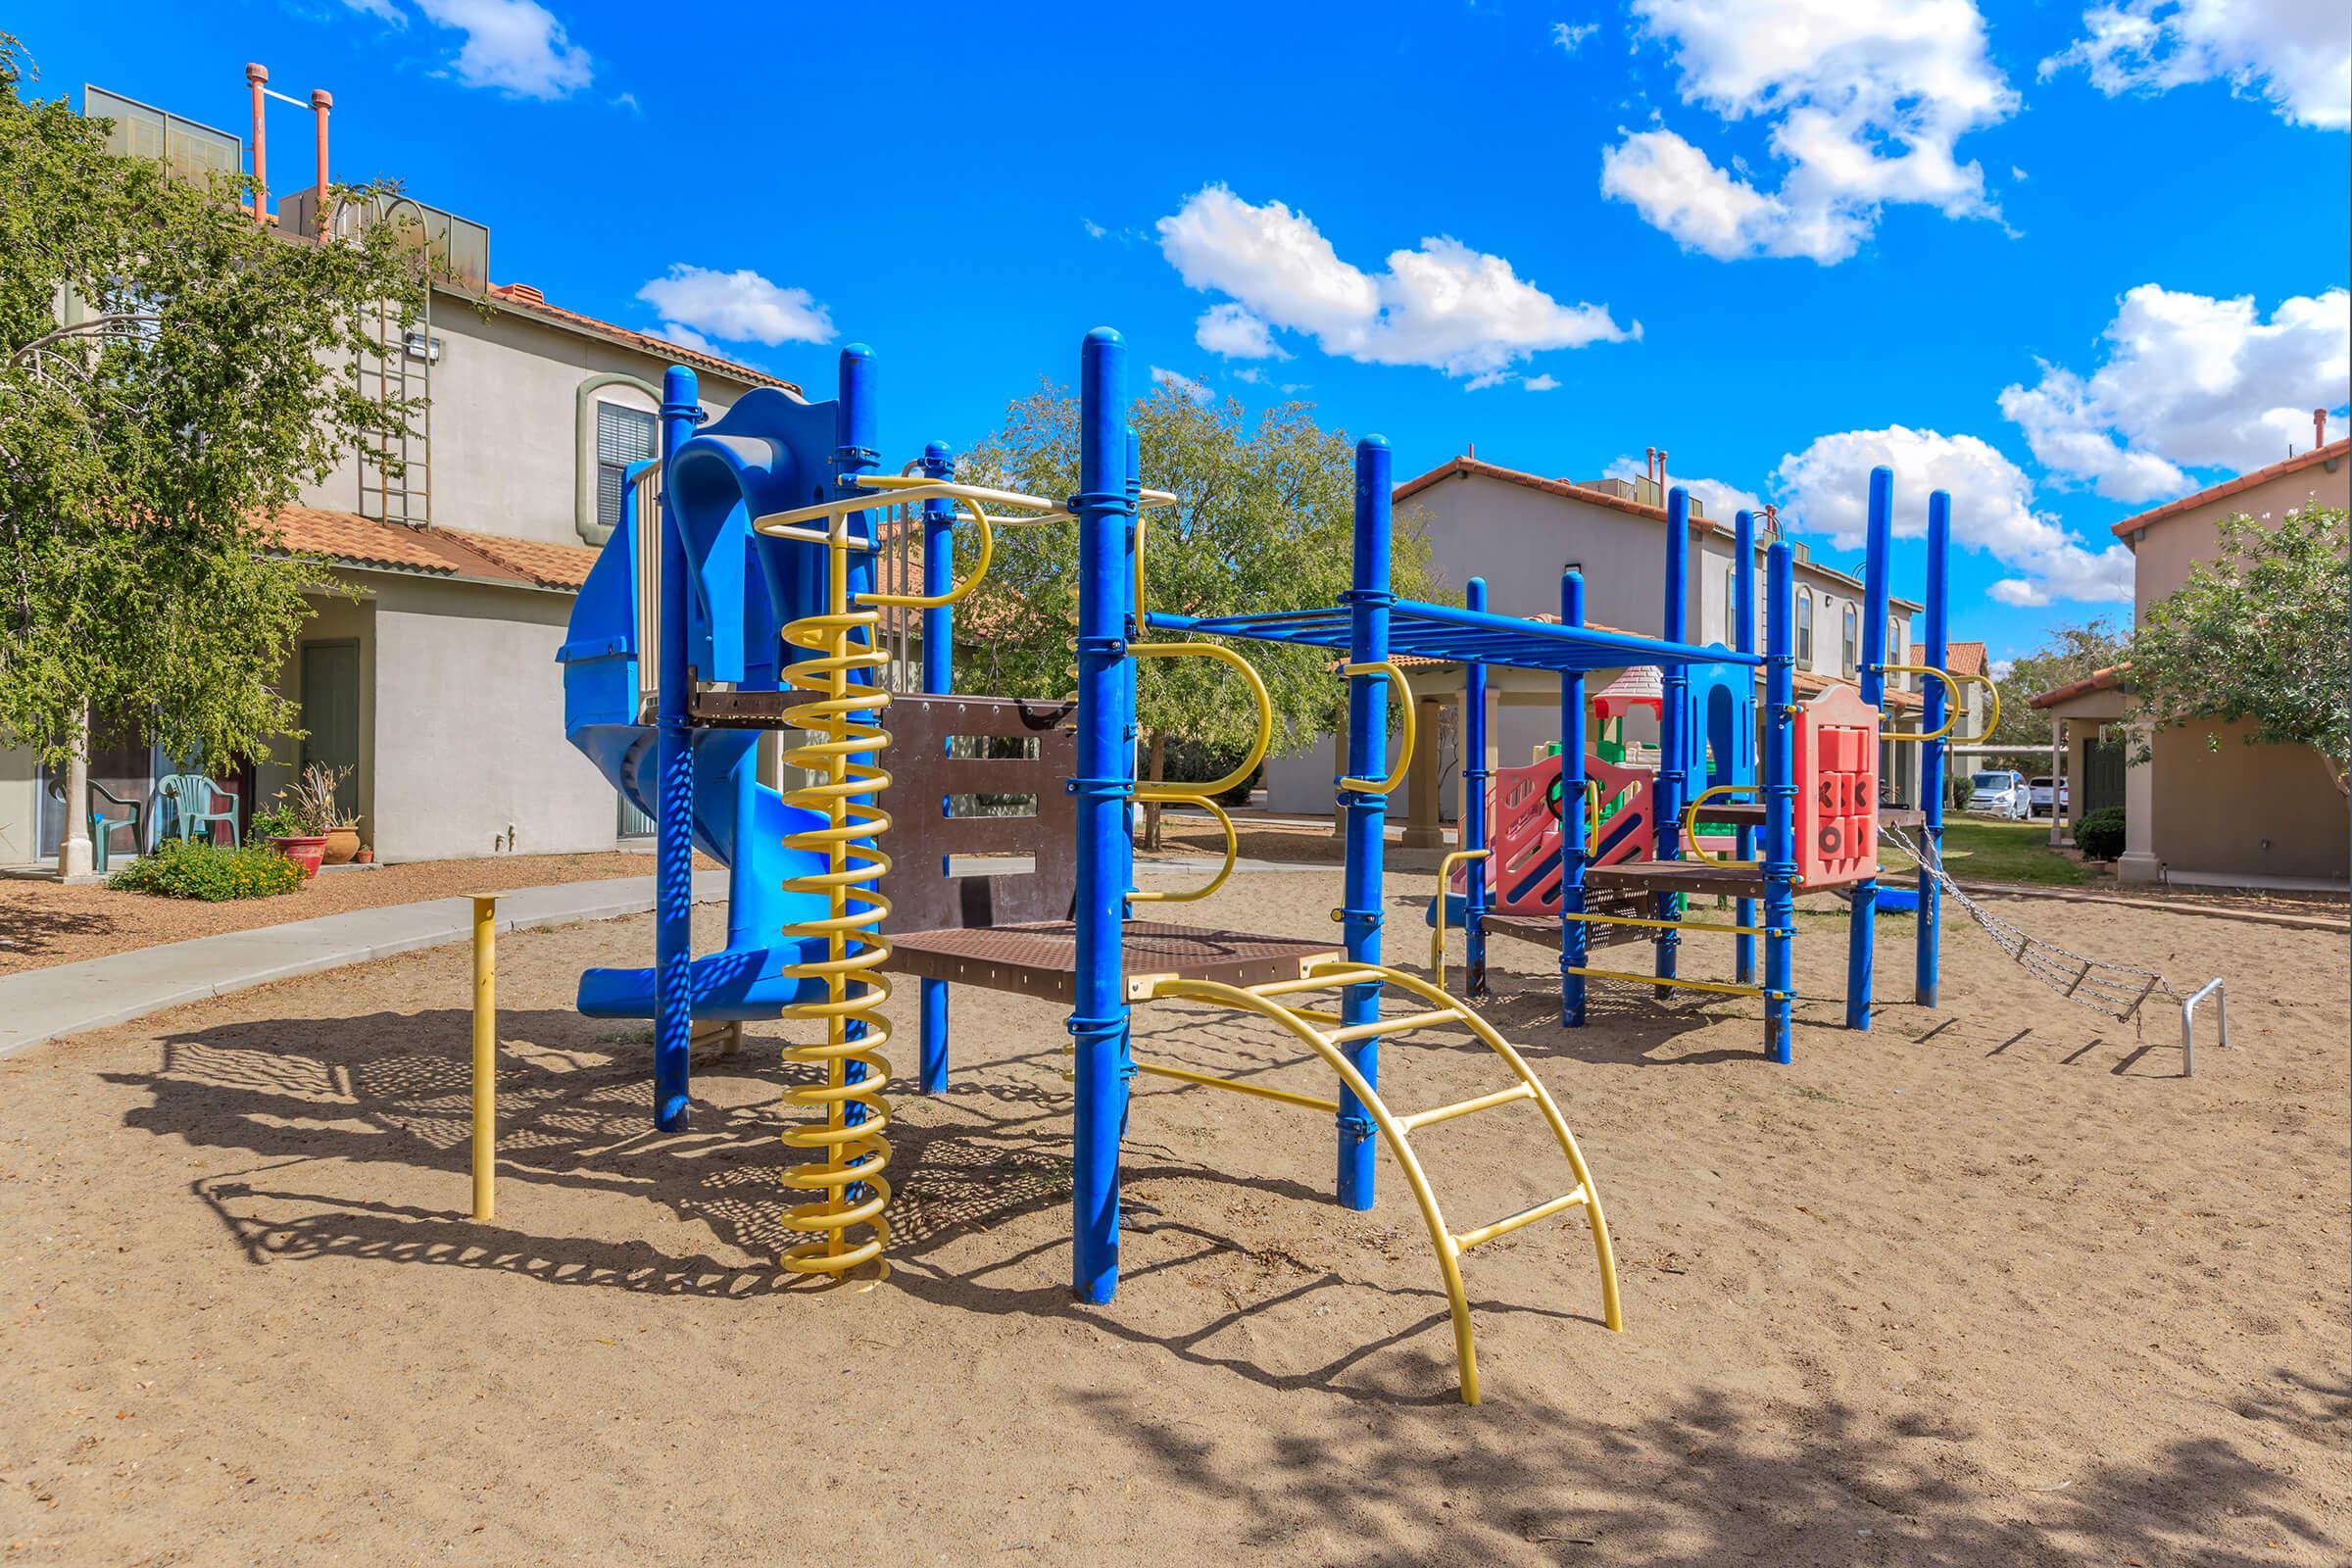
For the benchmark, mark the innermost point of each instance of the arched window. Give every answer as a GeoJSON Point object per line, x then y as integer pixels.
{"type": "Point", "coordinates": [1852, 650]}
{"type": "Point", "coordinates": [1804, 628]}
{"type": "Point", "coordinates": [1731, 607]}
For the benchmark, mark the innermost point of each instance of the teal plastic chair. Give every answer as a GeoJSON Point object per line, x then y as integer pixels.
{"type": "Point", "coordinates": [195, 803]}
{"type": "Point", "coordinates": [131, 814]}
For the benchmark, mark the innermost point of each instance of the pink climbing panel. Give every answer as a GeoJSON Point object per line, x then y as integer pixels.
{"type": "Point", "coordinates": [1523, 873]}
{"type": "Point", "coordinates": [1837, 789]}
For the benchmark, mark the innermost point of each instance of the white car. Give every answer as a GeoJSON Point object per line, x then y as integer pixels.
{"type": "Point", "coordinates": [2000, 792]}
{"type": "Point", "coordinates": [2040, 793]}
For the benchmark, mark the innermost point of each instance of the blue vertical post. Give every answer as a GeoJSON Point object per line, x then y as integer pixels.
{"type": "Point", "coordinates": [1743, 640]}
{"type": "Point", "coordinates": [1474, 812]}
{"type": "Point", "coordinates": [857, 449]}
{"type": "Point", "coordinates": [1673, 725]}
{"type": "Point", "coordinates": [1368, 600]}
{"type": "Point", "coordinates": [1779, 795]}
{"type": "Point", "coordinates": [1106, 779]}
{"type": "Point", "coordinates": [1877, 545]}
{"type": "Point", "coordinates": [1132, 721]}
{"type": "Point", "coordinates": [1928, 958]}
{"type": "Point", "coordinates": [939, 679]}
{"type": "Point", "coordinates": [1575, 935]}
{"type": "Point", "coordinates": [673, 807]}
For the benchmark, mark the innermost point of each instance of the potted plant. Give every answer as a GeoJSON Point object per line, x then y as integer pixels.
{"type": "Point", "coordinates": [296, 827]}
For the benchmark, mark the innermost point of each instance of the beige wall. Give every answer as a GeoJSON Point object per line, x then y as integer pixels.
{"type": "Point", "coordinates": [20, 802]}
{"type": "Point", "coordinates": [2164, 551]}
{"type": "Point", "coordinates": [509, 443]}
{"type": "Point", "coordinates": [2260, 811]}
{"type": "Point", "coordinates": [469, 714]}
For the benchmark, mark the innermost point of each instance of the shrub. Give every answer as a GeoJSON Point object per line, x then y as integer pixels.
{"type": "Point", "coordinates": [184, 868]}
{"type": "Point", "coordinates": [278, 822]}
{"type": "Point", "coordinates": [2100, 834]}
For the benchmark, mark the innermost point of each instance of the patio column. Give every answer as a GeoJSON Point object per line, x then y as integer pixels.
{"type": "Point", "coordinates": [74, 838]}
{"type": "Point", "coordinates": [2058, 786]}
{"type": "Point", "coordinates": [2139, 862]}
{"type": "Point", "coordinates": [1422, 829]}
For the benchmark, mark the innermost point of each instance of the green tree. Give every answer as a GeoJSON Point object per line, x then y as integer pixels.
{"type": "Point", "coordinates": [2067, 653]}
{"type": "Point", "coordinates": [172, 372]}
{"type": "Point", "coordinates": [1264, 519]}
{"type": "Point", "coordinates": [2256, 634]}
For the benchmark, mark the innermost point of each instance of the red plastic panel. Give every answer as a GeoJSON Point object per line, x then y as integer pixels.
{"type": "Point", "coordinates": [1837, 789]}
{"type": "Point", "coordinates": [1524, 870]}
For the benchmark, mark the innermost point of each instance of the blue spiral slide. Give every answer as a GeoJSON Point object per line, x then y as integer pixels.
{"type": "Point", "coordinates": [743, 589]}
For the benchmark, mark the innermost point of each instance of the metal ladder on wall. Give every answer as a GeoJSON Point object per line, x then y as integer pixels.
{"type": "Point", "coordinates": [1324, 1033]}
{"type": "Point", "coordinates": [395, 468]}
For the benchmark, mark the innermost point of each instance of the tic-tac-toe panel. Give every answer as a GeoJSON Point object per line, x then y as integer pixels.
{"type": "Point", "coordinates": [1837, 789]}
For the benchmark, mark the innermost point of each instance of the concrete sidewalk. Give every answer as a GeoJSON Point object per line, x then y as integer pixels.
{"type": "Point", "coordinates": [40, 1005]}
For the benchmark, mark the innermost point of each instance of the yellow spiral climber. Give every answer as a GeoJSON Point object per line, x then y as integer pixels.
{"type": "Point", "coordinates": [838, 761]}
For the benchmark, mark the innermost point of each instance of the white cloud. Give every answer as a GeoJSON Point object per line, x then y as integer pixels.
{"type": "Point", "coordinates": [1542, 383]}
{"type": "Point", "coordinates": [741, 307]}
{"type": "Point", "coordinates": [1249, 374]}
{"type": "Point", "coordinates": [1722, 501]}
{"type": "Point", "coordinates": [2190, 381]}
{"type": "Point", "coordinates": [1866, 104]}
{"type": "Point", "coordinates": [1443, 305]}
{"type": "Point", "coordinates": [1999, 668]}
{"type": "Point", "coordinates": [1571, 36]}
{"type": "Point", "coordinates": [685, 337]}
{"type": "Point", "coordinates": [1826, 487]}
{"type": "Point", "coordinates": [1234, 332]}
{"type": "Point", "coordinates": [2294, 54]}
{"type": "Point", "coordinates": [1094, 231]}
{"type": "Point", "coordinates": [1197, 391]}
{"type": "Point", "coordinates": [516, 46]}
{"type": "Point", "coordinates": [2017, 173]}
{"type": "Point", "coordinates": [383, 11]}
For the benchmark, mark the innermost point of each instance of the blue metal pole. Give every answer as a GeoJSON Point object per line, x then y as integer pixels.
{"type": "Point", "coordinates": [674, 809]}
{"type": "Point", "coordinates": [1368, 602]}
{"type": "Point", "coordinates": [1104, 781]}
{"type": "Point", "coordinates": [1129, 688]}
{"type": "Point", "coordinates": [1474, 813]}
{"type": "Point", "coordinates": [857, 449]}
{"type": "Point", "coordinates": [1932, 754]}
{"type": "Point", "coordinates": [939, 678]}
{"type": "Point", "coordinates": [1780, 795]}
{"type": "Point", "coordinates": [1674, 728]}
{"type": "Point", "coordinates": [1744, 639]}
{"type": "Point", "coordinates": [1575, 935]}
{"type": "Point", "coordinates": [1877, 546]}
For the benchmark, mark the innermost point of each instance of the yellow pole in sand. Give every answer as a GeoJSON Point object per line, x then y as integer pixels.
{"type": "Point", "coordinates": [485, 1053]}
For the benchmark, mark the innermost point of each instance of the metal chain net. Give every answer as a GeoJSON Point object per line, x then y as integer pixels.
{"type": "Point", "coordinates": [2114, 989]}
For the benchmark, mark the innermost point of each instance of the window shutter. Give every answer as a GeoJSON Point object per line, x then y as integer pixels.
{"type": "Point", "coordinates": [623, 436]}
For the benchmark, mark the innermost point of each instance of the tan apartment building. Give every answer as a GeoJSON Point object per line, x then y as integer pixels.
{"type": "Point", "coordinates": [1520, 531]}
{"type": "Point", "coordinates": [2235, 815]}
{"type": "Point", "coordinates": [435, 680]}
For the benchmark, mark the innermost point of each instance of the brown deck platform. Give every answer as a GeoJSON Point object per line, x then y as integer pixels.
{"type": "Point", "coordinates": [1041, 959]}
{"type": "Point", "coordinates": [1675, 876]}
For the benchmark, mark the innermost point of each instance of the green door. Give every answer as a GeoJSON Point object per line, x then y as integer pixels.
{"type": "Point", "coordinates": [330, 712]}
{"type": "Point", "coordinates": [2102, 777]}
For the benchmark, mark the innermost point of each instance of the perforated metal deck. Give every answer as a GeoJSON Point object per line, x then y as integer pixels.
{"type": "Point", "coordinates": [1041, 959]}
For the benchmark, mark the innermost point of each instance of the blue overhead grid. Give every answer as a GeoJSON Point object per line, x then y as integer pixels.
{"type": "Point", "coordinates": [1448, 632]}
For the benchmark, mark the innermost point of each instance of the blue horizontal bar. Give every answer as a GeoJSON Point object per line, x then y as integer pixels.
{"type": "Point", "coordinates": [1446, 632]}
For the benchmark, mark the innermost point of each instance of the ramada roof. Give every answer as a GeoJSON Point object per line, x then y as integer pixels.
{"type": "Point", "coordinates": [349, 539]}
{"type": "Point", "coordinates": [2332, 452]}
{"type": "Point", "coordinates": [2098, 680]}
{"type": "Point", "coordinates": [1570, 490]}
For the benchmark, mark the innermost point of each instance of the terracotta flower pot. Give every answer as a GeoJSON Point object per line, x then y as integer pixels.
{"type": "Point", "coordinates": [364, 858]}
{"type": "Point", "coordinates": [303, 852]}
{"type": "Point", "coordinates": [342, 843]}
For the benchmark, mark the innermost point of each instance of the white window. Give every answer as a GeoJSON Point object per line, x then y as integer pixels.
{"type": "Point", "coordinates": [1731, 607]}
{"type": "Point", "coordinates": [1852, 655]}
{"type": "Point", "coordinates": [623, 435]}
{"type": "Point", "coordinates": [1804, 628]}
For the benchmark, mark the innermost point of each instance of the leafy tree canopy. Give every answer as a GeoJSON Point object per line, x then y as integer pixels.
{"type": "Point", "coordinates": [170, 373]}
{"type": "Point", "coordinates": [1264, 520]}
{"type": "Point", "coordinates": [2258, 634]}
{"type": "Point", "coordinates": [2067, 653]}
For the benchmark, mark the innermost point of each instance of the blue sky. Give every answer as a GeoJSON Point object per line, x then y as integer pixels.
{"type": "Point", "coordinates": [2066, 261]}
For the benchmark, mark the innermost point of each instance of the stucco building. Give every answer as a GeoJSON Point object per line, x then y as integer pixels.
{"type": "Point", "coordinates": [435, 679]}
{"type": "Point", "coordinates": [2195, 814]}
{"type": "Point", "coordinates": [1520, 531]}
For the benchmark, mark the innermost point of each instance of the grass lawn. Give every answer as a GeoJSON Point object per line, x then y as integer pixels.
{"type": "Point", "coordinates": [1981, 850]}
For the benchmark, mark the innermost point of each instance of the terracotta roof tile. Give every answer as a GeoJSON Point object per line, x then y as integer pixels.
{"type": "Point", "coordinates": [354, 540]}
{"type": "Point", "coordinates": [2098, 680]}
{"type": "Point", "coordinates": [1961, 658]}
{"type": "Point", "coordinates": [2332, 452]}
{"type": "Point", "coordinates": [550, 566]}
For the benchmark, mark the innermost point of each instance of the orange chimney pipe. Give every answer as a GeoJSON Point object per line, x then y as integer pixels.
{"type": "Point", "coordinates": [321, 102]}
{"type": "Point", "coordinates": [257, 77]}
{"type": "Point", "coordinates": [2319, 428]}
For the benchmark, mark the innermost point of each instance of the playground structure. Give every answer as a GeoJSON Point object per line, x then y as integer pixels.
{"type": "Point", "coordinates": [762, 617]}
{"type": "Point", "coordinates": [1586, 849]}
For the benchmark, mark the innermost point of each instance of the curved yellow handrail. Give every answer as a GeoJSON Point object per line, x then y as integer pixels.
{"type": "Point", "coordinates": [1951, 684]}
{"type": "Point", "coordinates": [988, 553]}
{"type": "Point", "coordinates": [1691, 827]}
{"type": "Point", "coordinates": [1405, 704]}
{"type": "Point", "coordinates": [1437, 935]}
{"type": "Point", "coordinates": [1233, 844]}
{"type": "Point", "coordinates": [1257, 691]}
{"type": "Point", "coordinates": [1447, 1246]}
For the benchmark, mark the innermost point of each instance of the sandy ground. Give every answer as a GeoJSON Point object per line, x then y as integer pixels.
{"type": "Point", "coordinates": [47, 922]}
{"type": "Point", "coordinates": [1993, 1285]}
